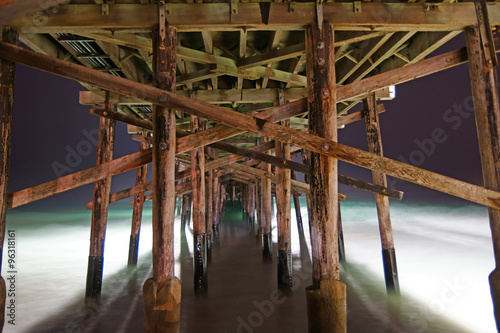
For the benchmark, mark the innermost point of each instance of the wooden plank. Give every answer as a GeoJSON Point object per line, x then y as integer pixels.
{"type": "Point", "coordinates": [272, 56]}
{"type": "Point", "coordinates": [211, 16]}
{"type": "Point", "coordinates": [305, 140]}
{"type": "Point", "coordinates": [267, 95]}
{"type": "Point", "coordinates": [79, 178]}
{"type": "Point", "coordinates": [17, 9]}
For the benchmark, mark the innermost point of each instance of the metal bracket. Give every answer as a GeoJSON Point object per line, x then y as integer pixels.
{"type": "Point", "coordinates": [486, 35]}
{"type": "Point", "coordinates": [233, 6]}
{"type": "Point", "coordinates": [168, 8]}
{"type": "Point", "coordinates": [281, 96]}
{"type": "Point", "coordinates": [105, 9]}
{"type": "Point", "coordinates": [357, 6]}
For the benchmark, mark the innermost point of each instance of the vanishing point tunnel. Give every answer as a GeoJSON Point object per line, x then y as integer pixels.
{"type": "Point", "coordinates": [242, 100]}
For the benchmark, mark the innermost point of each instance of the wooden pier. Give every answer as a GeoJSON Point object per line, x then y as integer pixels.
{"type": "Point", "coordinates": [236, 101]}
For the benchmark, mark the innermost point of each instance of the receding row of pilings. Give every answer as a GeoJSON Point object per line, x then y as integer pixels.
{"type": "Point", "coordinates": [326, 298]}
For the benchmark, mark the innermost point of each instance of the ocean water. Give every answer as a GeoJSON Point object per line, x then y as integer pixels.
{"type": "Point", "coordinates": [444, 256]}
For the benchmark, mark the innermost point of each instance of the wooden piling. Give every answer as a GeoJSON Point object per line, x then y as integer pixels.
{"type": "Point", "coordinates": [199, 213]}
{"type": "Point", "coordinates": [384, 216]}
{"type": "Point", "coordinates": [209, 212]}
{"type": "Point", "coordinates": [7, 75]}
{"type": "Point", "coordinates": [162, 292]}
{"type": "Point", "coordinates": [217, 205]}
{"type": "Point", "coordinates": [251, 207]}
{"type": "Point", "coordinates": [326, 298]}
{"type": "Point", "coordinates": [140, 179]}
{"type": "Point", "coordinates": [102, 189]}
{"type": "Point", "coordinates": [283, 203]}
{"type": "Point", "coordinates": [341, 237]}
{"type": "Point", "coordinates": [266, 202]}
{"type": "Point", "coordinates": [484, 84]}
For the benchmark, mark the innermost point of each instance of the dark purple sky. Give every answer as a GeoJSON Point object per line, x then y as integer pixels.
{"type": "Point", "coordinates": [49, 124]}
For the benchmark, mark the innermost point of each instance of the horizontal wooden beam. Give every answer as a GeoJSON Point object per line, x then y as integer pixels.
{"type": "Point", "coordinates": [79, 178]}
{"type": "Point", "coordinates": [296, 185]}
{"type": "Point", "coordinates": [216, 16]}
{"type": "Point", "coordinates": [248, 123]}
{"type": "Point", "coordinates": [237, 96]}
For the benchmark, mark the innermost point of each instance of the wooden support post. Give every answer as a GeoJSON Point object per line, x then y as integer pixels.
{"type": "Point", "coordinates": [298, 213]}
{"type": "Point", "coordinates": [487, 112]}
{"type": "Point", "coordinates": [251, 207]}
{"type": "Point", "coordinates": [258, 206]}
{"type": "Point", "coordinates": [233, 195]}
{"type": "Point", "coordinates": [266, 197]}
{"type": "Point", "coordinates": [7, 74]}
{"type": "Point", "coordinates": [217, 205]}
{"type": "Point", "coordinates": [341, 238]}
{"type": "Point", "coordinates": [162, 292]}
{"type": "Point", "coordinates": [382, 202]}
{"type": "Point", "coordinates": [209, 212]}
{"type": "Point", "coordinates": [140, 179]}
{"type": "Point", "coordinates": [199, 213]}
{"type": "Point", "coordinates": [184, 210]}
{"type": "Point", "coordinates": [102, 190]}
{"type": "Point", "coordinates": [326, 298]}
{"type": "Point", "coordinates": [283, 204]}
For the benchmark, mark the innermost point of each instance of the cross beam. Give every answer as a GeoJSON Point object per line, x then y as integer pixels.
{"type": "Point", "coordinates": [268, 129]}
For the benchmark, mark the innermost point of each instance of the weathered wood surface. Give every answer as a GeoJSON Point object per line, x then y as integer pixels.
{"type": "Point", "coordinates": [79, 178]}
{"type": "Point", "coordinates": [102, 188]}
{"type": "Point", "coordinates": [140, 180]}
{"type": "Point", "coordinates": [374, 138]}
{"type": "Point", "coordinates": [193, 17]}
{"type": "Point", "coordinates": [320, 66]}
{"type": "Point", "coordinates": [198, 182]}
{"type": "Point", "coordinates": [305, 140]}
{"type": "Point", "coordinates": [7, 76]}
{"type": "Point", "coordinates": [164, 64]}
{"type": "Point", "coordinates": [484, 84]}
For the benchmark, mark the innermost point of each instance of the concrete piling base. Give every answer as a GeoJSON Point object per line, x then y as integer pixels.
{"type": "Point", "coordinates": [162, 306]}
{"type": "Point", "coordinates": [326, 307]}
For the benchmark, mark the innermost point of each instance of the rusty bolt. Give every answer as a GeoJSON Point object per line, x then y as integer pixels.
{"type": "Point", "coordinates": [162, 145]}
{"type": "Point", "coordinates": [325, 146]}
{"type": "Point", "coordinates": [324, 93]}
{"type": "Point", "coordinates": [163, 98]}
{"type": "Point", "coordinates": [321, 61]}
{"type": "Point", "coordinates": [321, 45]}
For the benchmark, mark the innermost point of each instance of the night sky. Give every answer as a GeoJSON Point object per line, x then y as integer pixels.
{"type": "Point", "coordinates": [49, 124]}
